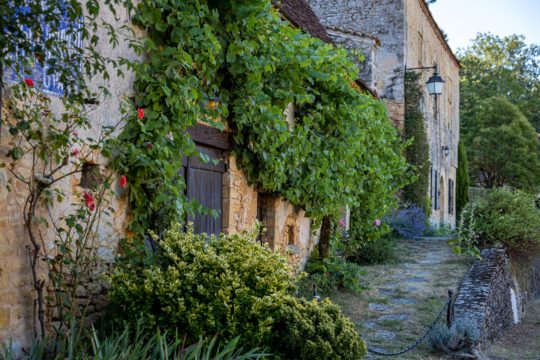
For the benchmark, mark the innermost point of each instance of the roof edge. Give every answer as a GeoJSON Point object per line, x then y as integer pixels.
{"type": "Point", "coordinates": [438, 31]}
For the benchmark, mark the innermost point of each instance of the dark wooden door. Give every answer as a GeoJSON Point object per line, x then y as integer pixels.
{"type": "Point", "coordinates": [204, 183]}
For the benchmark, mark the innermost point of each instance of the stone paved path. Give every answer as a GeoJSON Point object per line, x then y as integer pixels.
{"type": "Point", "coordinates": [403, 298]}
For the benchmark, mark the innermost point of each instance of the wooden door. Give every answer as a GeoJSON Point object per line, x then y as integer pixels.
{"type": "Point", "coordinates": [205, 184]}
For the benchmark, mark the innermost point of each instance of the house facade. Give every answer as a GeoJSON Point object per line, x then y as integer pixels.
{"type": "Point", "coordinates": [219, 185]}
{"type": "Point", "coordinates": [396, 36]}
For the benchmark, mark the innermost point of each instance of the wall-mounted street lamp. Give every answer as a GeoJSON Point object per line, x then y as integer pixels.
{"type": "Point", "coordinates": [435, 84]}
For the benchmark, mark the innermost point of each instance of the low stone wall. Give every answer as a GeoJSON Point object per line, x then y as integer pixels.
{"type": "Point", "coordinates": [495, 291]}
{"type": "Point", "coordinates": [485, 294]}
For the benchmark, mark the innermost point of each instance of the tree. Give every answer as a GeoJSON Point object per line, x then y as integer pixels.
{"type": "Point", "coordinates": [503, 146]}
{"type": "Point", "coordinates": [500, 66]}
{"type": "Point", "coordinates": [462, 179]}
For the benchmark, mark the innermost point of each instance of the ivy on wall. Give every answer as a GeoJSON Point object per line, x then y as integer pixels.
{"type": "Point", "coordinates": [417, 153]}
{"type": "Point", "coordinates": [237, 62]}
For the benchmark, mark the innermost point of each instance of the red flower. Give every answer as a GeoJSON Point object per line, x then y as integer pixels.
{"type": "Point", "coordinates": [140, 113]}
{"type": "Point", "coordinates": [123, 181]}
{"type": "Point", "coordinates": [29, 82]}
{"type": "Point", "coordinates": [149, 146]}
{"type": "Point", "coordinates": [89, 200]}
{"type": "Point", "coordinates": [75, 151]}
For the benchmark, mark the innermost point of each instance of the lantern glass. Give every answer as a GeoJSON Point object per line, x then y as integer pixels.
{"type": "Point", "coordinates": [435, 84]}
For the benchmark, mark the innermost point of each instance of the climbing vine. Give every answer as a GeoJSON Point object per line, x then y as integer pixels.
{"type": "Point", "coordinates": [237, 64]}
{"type": "Point", "coordinates": [417, 153]}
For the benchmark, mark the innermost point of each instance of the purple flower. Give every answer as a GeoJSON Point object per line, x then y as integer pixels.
{"type": "Point", "coordinates": [377, 222]}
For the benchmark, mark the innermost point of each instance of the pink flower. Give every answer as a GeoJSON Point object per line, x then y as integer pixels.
{"type": "Point", "coordinates": [140, 113]}
{"type": "Point", "coordinates": [75, 133]}
{"type": "Point", "coordinates": [377, 222]}
{"type": "Point", "coordinates": [29, 82]}
{"type": "Point", "coordinates": [123, 181]}
{"type": "Point", "coordinates": [341, 223]}
{"type": "Point", "coordinates": [75, 151]}
{"type": "Point", "coordinates": [89, 200]}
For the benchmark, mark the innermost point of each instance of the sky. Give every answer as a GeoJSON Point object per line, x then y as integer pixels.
{"type": "Point", "coordinates": [463, 19]}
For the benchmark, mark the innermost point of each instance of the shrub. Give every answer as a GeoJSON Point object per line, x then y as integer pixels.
{"type": "Point", "coordinates": [330, 274]}
{"type": "Point", "coordinates": [510, 218]}
{"type": "Point", "coordinates": [204, 285]}
{"type": "Point", "coordinates": [307, 330]}
{"type": "Point", "coordinates": [463, 334]}
{"type": "Point", "coordinates": [439, 337]}
{"type": "Point", "coordinates": [367, 231]}
{"type": "Point", "coordinates": [231, 286]}
{"type": "Point", "coordinates": [380, 251]}
{"type": "Point", "coordinates": [466, 241]}
{"type": "Point", "coordinates": [409, 223]}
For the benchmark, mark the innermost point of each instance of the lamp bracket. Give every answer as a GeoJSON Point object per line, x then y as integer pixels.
{"type": "Point", "coordinates": [421, 68]}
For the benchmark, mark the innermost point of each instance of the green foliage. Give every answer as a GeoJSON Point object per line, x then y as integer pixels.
{"type": "Point", "coordinates": [130, 344]}
{"type": "Point", "coordinates": [500, 66]}
{"type": "Point", "coordinates": [462, 335]}
{"type": "Point", "coordinates": [467, 240]}
{"type": "Point", "coordinates": [204, 285]}
{"type": "Point", "coordinates": [307, 329]}
{"type": "Point", "coordinates": [231, 286]}
{"type": "Point", "coordinates": [439, 337]}
{"type": "Point", "coordinates": [330, 274]}
{"type": "Point", "coordinates": [439, 231]}
{"type": "Point", "coordinates": [462, 179]}
{"type": "Point", "coordinates": [503, 146]}
{"type": "Point", "coordinates": [417, 153]}
{"type": "Point", "coordinates": [379, 251]}
{"type": "Point", "coordinates": [510, 218]}
{"type": "Point", "coordinates": [363, 226]}
{"type": "Point", "coordinates": [239, 63]}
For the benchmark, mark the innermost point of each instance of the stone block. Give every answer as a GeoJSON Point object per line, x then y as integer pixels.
{"type": "Point", "coordinates": [5, 317]}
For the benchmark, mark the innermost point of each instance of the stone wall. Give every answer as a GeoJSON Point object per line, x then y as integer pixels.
{"type": "Point", "coordinates": [288, 230]}
{"type": "Point", "coordinates": [285, 228]}
{"type": "Point", "coordinates": [485, 295]}
{"type": "Point", "coordinates": [377, 29]}
{"type": "Point", "coordinates": [16, 295]}
{"type": "Point", "coordinates": [496, 290]}
{"type": "Point", "coordinates": [425, 46]}
{"type": "Point", "coordinates": [394, 35]}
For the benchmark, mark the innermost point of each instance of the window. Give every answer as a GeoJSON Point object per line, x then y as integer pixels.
{"type": "Point", "coordinates": [68, 32]}
{"type": "Point", "coordinates": [450, 196]}
{"type": "Point", "coordinates": [435, 191]}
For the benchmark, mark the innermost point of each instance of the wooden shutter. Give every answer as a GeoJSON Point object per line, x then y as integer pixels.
{"type": "Point", "coordinates": [205, 184]}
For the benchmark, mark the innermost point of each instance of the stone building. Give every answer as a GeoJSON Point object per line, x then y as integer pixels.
{"type": "Point", "coordinates": [220, 186]}
{"type": "Point", "coordinates": [396, 36]}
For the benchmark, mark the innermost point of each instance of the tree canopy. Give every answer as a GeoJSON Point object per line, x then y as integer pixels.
{"type": "Point", "coordinates": [500, 66]}
{"type": "Point", "coordinates": [503, 146]}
